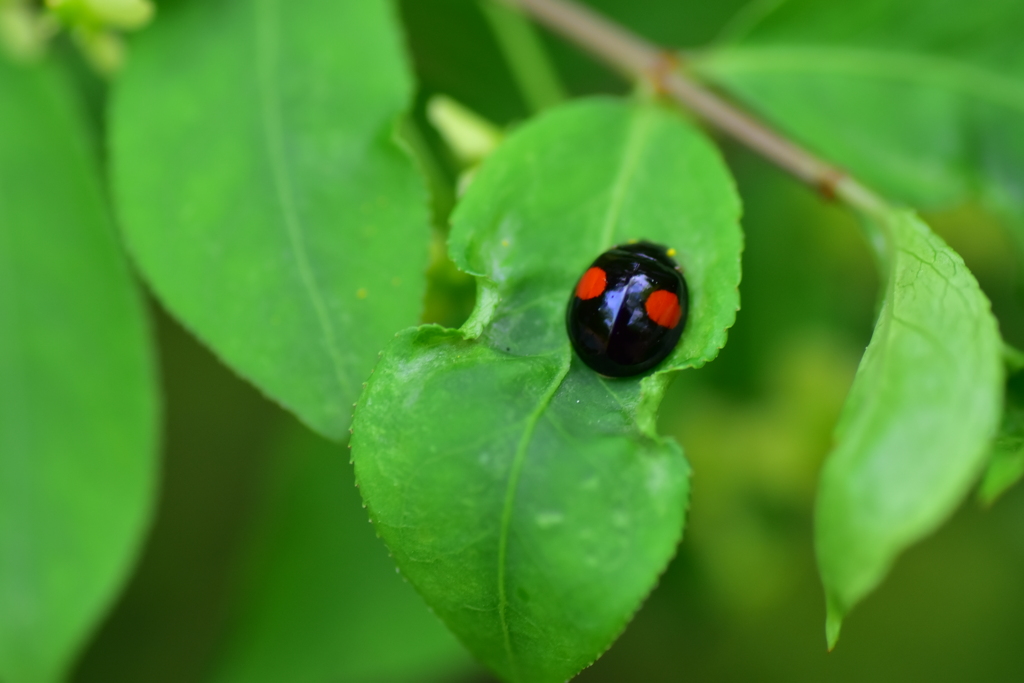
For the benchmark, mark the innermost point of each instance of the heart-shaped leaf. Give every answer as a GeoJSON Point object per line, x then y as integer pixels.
{"type": "Point", "coordinates": [917, 425]}
{"type": "Point", "coordinates": [262, 193]}
{"type": "Point", "coordinates": [921, 98]}
{"type": "Point", "coordinates": [527, 498]}
{"type": "Point", "coordinates": [78, 403]}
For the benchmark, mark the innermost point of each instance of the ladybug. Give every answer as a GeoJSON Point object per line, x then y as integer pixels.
{"type": "Point", "coordinates": [628, 310]}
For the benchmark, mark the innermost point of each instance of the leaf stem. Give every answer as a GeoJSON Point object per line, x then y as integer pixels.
{"type": "Point", "coordinates": [639, 58]}
{"type": "Point", "coordinates": [533, 72]}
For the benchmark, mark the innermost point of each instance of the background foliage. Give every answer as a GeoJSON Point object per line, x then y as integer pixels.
{"type": "Point", "coordinates": [258, 564]}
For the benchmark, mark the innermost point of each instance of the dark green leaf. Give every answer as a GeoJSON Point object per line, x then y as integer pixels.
{"type": "Point", "coordinates": [922, 98]}
{"type": "Point", "coordinates": [918, 422]}
{"type": "Point", "coordinates": [78, 407]}
{"type": "Point", "coordinates": [320, 599]}
{"type": "Point", "coordinates": [528, 499]}
{"type": "Point", "coordinates": [263, 194]}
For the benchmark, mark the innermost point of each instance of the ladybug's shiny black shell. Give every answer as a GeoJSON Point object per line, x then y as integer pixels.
{"type": "Point", "coordinates": [628, 309]}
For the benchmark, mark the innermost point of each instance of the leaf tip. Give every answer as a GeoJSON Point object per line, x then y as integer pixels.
{"type": "Point", "coordinates": [833, 624]}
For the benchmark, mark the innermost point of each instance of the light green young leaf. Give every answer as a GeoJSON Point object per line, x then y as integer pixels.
{"type": "Point", "coordinates": [529, 500]}
{"type": "Point", "coordinates": [320, 600]}
{"type": "Point", "coordinates": [78, 406]}
{"type": "Point", "coordinates": [923, 99]}
{"type": "Point", "coordinates": [1006, 460]}
{"type": "Point", "coordinates": [263, 194]}
{"type": "Point", "coordinates": [916, 429]}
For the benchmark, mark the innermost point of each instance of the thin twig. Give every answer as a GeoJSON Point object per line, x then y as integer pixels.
{"type": "Point", "coordinates": [641, 59]}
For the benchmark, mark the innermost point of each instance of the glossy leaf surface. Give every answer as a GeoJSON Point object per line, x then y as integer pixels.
{"type": "Point", "coordinates": [921, 98]}
{"type": "Point", "coordinates": [78, 407]}
{"type": "Point", "coordinates": [528, 499]}
{"type": "Point", "coordinates": [263, 194]}
{"type": "Point", "coordinates": [320, 600]}
{"type": "Point", "coordinates": [916, 428]}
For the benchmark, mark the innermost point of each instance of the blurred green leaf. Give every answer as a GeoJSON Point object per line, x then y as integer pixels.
{"type": "Point", "coordinates": [917, 425]}
{"type": "Point", "coordinates": [320, 599]}
{"type": "Point", "coordinates": [528, 499]}
{"type": "Point", "coordinates": [263, 194]}
{"type": "Point", "coordinates": [1006, 464]}
{"type": "Point", "coordinates": [922, 98]}
{"type": "Point", "coordinates": [78, 407]}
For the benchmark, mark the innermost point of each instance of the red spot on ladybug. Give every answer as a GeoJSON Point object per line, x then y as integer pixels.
{"type": "Point", "coordinates": [663, 308]}
{"type": "Point", "coordinates": [592, 283]}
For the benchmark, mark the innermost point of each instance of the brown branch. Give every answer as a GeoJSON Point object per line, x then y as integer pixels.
{"type": "Point", "coordinates": [641, 59]}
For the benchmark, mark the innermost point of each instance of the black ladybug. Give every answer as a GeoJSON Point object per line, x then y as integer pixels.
{"type": "Point", "coordinates": [628, 309]}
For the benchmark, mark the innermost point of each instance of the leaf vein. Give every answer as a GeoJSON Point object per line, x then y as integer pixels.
{"type": "Point", "coordinates": [270, 110]}
{"type": "Point", "coordinates": [641, 123]}
{"type": "Point", "coordinates": [506, 513]}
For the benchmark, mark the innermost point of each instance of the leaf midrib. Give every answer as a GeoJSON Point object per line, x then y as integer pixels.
{"type": "Point", "coordinates": [950, 74]}
{"type": "Point", "coordinates": [640, 126]}
{"type": "Point", "coordinates": [267, 58]}
{"type": "Point", "coordinates": [510, 494]}
{"type": "Point", "coordinates": [641, 122]}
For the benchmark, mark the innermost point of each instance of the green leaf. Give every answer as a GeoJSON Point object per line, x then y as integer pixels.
{"type": "Point", "coordinates": [262, 192]}
{"type": "Point", "coordinates": [916, 428]}
{"type": "Point", "coordinates": [921, 98]}
{"type": "Point", "coordinates": [78, 406]}
{"type": "Point", "coordinates": [528, 499]}
{"type": "Point", "coordinates": [1006, 460]}
{"type": "Point", "coordinates": [320, 600]}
